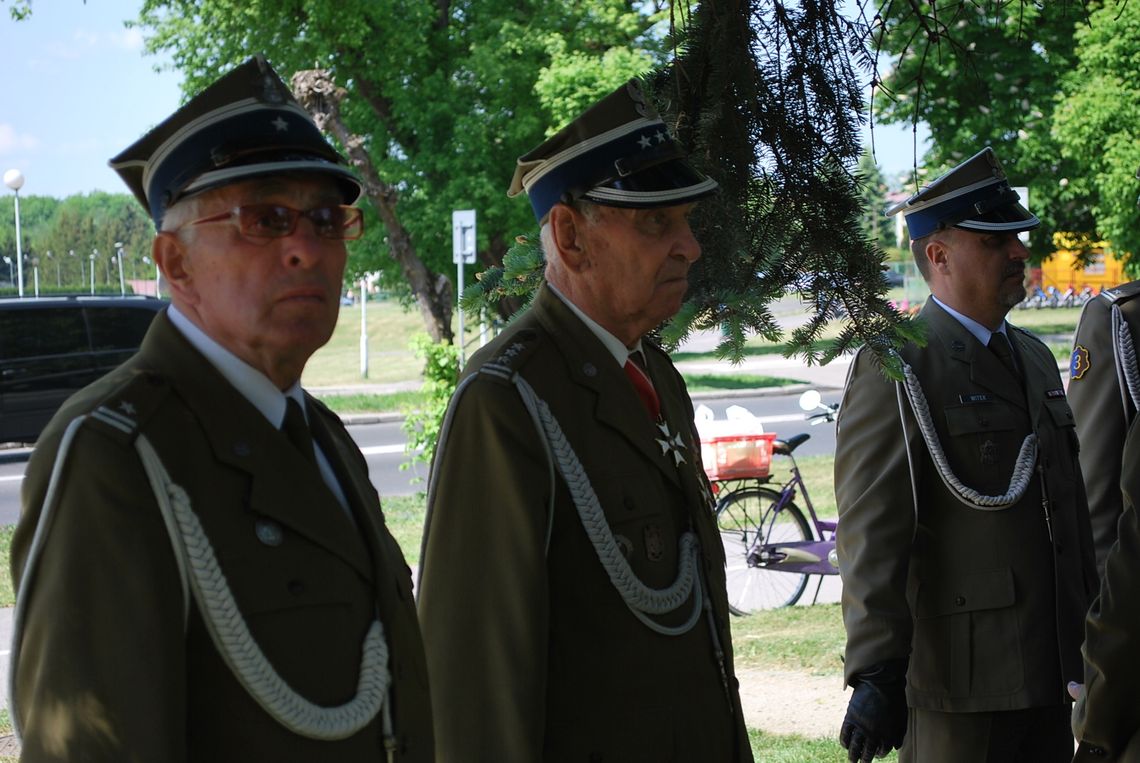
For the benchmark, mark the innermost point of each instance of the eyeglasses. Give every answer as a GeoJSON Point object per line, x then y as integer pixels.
{"type": "Point", "coordinates": [339, 222]}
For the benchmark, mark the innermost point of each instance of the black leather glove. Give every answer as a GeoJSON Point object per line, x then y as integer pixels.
{"type": "Point", "coordinates": [876, 716]}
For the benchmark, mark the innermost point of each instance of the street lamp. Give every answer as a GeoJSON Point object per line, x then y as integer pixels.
{"type": "Point", "coordinates": [157, 276]}
{"type": "Point", "coordinates": [14, 179]}
{"type": "Point", "coordinates": [119, 257]}
{"type": "Point", "coordinates": [58, 274]}
{"type": "Point", "coordinates": [93, 255]}
{"type": "Point", "coordinates": [36, 274]}
{"type": "Point", "coordinates": [82, 271]}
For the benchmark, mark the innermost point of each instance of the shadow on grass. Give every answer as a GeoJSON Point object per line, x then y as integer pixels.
{"type": "Point", "coordinates": [713, 382]}
{"type": "Point", "coordinates": [749, 351]}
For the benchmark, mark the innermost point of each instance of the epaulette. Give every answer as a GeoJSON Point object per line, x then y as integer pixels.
{"type": "Point", "coordinates": [1030, 335]}
{"type": "Point", "coordinates": [127, 408]}
{"type": "Point", "coordinates": [1122, 293]}
{"type": "Point", "coordinates": [513, 354]}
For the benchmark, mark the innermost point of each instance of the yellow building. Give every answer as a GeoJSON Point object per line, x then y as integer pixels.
{"type": "Point", "coordinates": [1063, 271]}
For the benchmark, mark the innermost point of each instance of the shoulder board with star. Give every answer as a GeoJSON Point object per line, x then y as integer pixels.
{"type": "Point", "coordinates": [513, 354]}
{"type": "Point", "coordinates": [123, 413]}
{"type": "Point", "coordinates": [1122, 293]}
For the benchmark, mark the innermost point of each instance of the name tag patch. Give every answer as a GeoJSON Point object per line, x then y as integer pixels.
{"type": "Point", "coordinates": [977, 397]}
{"type": "Point", "coordinates": [1053, 394]}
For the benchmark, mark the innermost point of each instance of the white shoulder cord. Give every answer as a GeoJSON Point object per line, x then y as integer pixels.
{"type": "Point", "coordinates": [1126, 356]}
{"type": "Point", "coordinates": [47, 515]}
{"type": "Point", "coordinates": [228, 630]}
{"type": "Point", "coordinates": [641, 599]}
{"type": "Point", "coordinates": [1022, 470]}
{"type": "Point", "coordinates": [236, 644]}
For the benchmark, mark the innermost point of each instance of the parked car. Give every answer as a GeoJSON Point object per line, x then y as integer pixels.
{"type": "Point", "coordinates": [51, 347]}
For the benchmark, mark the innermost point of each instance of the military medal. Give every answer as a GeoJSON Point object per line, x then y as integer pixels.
{"type": "Point", "coordinates": [671, 443]}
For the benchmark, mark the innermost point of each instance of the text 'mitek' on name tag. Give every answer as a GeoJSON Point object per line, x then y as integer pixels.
{"type": "Point", "coordinates": [977, 397]}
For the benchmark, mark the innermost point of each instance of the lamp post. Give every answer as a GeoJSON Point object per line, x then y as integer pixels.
{"type": "Point", "coordinates": [82, 271]}
{"type": "Point", "coordinates": [119, 257]}
{"type": "Point", "coordinates": [157, 276]}
{"type": "Point", "coordinates": [14, 179]}
{"type": "Point", "coordinates": [36, 275]}
{"type": "Point", "coordinates": [58, 273]}
{"type": "Point", "coordinates": [93, 255]}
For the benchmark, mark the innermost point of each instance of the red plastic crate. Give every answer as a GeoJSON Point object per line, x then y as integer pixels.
{"type": "Point", "coordinates": [737, 456]}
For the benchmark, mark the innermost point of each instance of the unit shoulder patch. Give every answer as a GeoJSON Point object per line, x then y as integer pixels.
{"type": "Point", "coordinates": [1079, 363]}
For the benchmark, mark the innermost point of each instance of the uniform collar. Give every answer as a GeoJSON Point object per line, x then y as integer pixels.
{"type": "Point", "coordinates": [980, 332]}
{"type": "Point", "coordinates": [620, 352]}
{"type": "Point", "coordinates": [253, 385]}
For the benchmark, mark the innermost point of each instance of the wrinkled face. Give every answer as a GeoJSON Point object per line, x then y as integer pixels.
{"type": "Point", "coordinates": [271, 301]}
{"type": "Point", "coordinates": [980, 274]}
{"type": "Point", "coordinates": [639, 263]}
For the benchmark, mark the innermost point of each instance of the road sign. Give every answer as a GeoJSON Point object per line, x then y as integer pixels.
{"type": "Point", "coordinates": [463, 236]}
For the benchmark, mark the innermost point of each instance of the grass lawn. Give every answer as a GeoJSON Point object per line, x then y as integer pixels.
{"type": "Point", "coordinates": [390, 359]}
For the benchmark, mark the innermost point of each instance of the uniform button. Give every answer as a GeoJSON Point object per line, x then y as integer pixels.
{"type": "Point", "coordinates": [269, 532]}
{"type": "Point", "coordinates": [960, 601]}
{"type": "Point", "coordinates": [628, 502]}
{"type": "Point", "coordinates": [296, 587]}
{"type": "Point", "coordinates": [589, 369]}
{"type": "Point", "coordinates": [984, 421]}
{"type": "Point", "coordinates": [595, 757]}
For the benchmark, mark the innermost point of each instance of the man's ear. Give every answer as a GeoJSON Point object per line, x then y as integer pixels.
{"type": "Point", "coordinates": [938, 254]}
{"type": "Point", "coordinates": [567, 229]}
{"type": "Point", "coordinates": [172, 257]}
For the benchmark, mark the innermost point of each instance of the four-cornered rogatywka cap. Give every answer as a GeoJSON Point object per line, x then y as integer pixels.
{"type": "Point", "coordinates": [245, 125]}
{"type": "Point", "coordinates": [618, 153]}
{"type": "Point", "coordinates": [975, 195]}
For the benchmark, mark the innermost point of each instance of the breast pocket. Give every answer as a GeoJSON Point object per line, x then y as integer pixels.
{"type": "Point", "coordinates": [639, 513]}
{"type": "Point", "coordinates": [982, 443]}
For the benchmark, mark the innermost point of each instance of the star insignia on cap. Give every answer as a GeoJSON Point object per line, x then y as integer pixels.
{"type": "Point", "coordinates": [645, 141]}
{"type": "Point", "coordinates": [280, 124]}
{"type": "Point", "coordinates": [661, 136]}
{"type": "Point", "coordinates": [671, 443]}
{"type": "Point", "coordinates": [127, 408]}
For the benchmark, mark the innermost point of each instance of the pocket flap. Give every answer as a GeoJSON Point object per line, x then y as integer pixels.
{"type": "Point", "coordinates": [981, 590]}
{"type": "Point", "coordinates": [1061, 412]}
{"type": "Point", "coordinates": [978, 417]}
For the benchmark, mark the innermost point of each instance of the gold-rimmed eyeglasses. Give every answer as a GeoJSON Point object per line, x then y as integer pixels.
{"type": "Point", "coordinates": [338, 222]}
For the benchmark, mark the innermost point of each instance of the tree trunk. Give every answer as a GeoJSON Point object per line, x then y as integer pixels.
{"type": "Point", "coordinates": [317, 93]}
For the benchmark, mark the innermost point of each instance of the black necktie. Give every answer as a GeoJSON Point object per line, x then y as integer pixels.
{"type": "Point", "coordinates": [297, 430]}
{"type": "Point", "coordinates": [999, 345]}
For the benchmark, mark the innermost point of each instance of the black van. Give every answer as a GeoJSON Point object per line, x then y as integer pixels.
{"type": "Point", "coordinates": [51, 347]}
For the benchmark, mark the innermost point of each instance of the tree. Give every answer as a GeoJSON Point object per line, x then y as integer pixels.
{"type": "Point", "coordinates": [986, 73]}
{"type": "Point", "coordinates": [1097, 125]}
{"type": "Point", "coordinates": [433, 102]}
{"type": "Point", "coordinates": [873, 194]}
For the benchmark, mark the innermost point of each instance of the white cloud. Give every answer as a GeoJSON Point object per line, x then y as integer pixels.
{"type": "Point", "coordinates": [130, 39]}
{"type": "Point", "coordinates": [12, 141]}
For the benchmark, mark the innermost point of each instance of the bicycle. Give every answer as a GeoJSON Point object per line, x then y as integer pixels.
{"type": "Point", "coordinates": [771, 548]}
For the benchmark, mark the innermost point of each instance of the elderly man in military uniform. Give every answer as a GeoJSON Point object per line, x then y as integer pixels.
{"type": "Point", "coordinates": [204, 572]}
{"type": "Point", "coordinates": [964, 541]}
{"type": "Point", "coordinates": [572, 594]}
{"type": "Point", "coordinates": [1104, 389]}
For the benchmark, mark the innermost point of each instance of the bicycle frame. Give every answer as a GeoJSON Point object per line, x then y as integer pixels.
{"type": "Point", "coordinates": [813, 557]}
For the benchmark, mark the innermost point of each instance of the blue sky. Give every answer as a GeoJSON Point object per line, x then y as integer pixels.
{"type": "Point", "coordinates": [77, 89]}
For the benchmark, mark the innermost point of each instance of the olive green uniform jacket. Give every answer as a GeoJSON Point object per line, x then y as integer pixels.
{"type": "Point", "coordinates": [1102, 406]}
{"type": "Point", "coordinates": [1106, 721]}
{"type": "Point", "coordinates": [112, 667]}
{"type": "Point", "coordinates": [532, 653]}
{"type": "Point", "coordinates": [986, 607]}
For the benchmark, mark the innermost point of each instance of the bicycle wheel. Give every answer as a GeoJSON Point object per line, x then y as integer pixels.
{"type": "Point", "coordinates": [740, 516]}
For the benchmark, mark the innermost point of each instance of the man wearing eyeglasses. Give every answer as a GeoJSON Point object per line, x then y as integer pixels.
{"type": "Point", "coordinates": [202, 565]}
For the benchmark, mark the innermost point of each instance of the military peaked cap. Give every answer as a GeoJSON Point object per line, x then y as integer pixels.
{"type": "Point", "coordinates": [245, 125]}
{"type": "Point", "coordinates": [975, 195]}
{"type": "Point", "coordinates": [618, 153]}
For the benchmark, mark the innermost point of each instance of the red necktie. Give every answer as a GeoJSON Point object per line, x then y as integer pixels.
{"type": "Point", "coordinates": [644, 388]}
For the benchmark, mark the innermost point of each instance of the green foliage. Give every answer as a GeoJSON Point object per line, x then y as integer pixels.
{"type": "Point", "coordinates": [986, 74]}
{"type": "Point", "coordinates": [441, 375]}
{"type": "Point", "coordinates": [1097, 124]}
{"type": "Point", "coordinates": [445, 95]}
{"type": "Point", "coordinates": [878, 229]}
{"type": "Point", "coordinates": [60, 236]}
